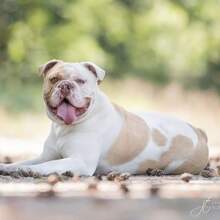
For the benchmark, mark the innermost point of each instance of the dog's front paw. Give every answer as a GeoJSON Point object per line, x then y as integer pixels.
{"type": "Point", "coordinates": [27, 172]}
{"type": "Point", "coordinates": [5, 169]}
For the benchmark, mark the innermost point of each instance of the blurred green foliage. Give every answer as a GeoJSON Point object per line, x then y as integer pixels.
{"type": "Point", "coordinates": [159, 40]}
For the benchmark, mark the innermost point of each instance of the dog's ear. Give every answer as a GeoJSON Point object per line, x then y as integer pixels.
{"type": "Point", "coordinates": [96, 70]}
{"type": "Point", "coordinates": [43, 69]}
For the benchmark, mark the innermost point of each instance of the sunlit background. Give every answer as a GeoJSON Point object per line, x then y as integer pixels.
{"type": "Point", "coordinates": [159, 55]}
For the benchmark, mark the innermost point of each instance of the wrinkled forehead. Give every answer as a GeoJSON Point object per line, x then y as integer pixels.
{"type": "Point", "coordinates": [70, 71]}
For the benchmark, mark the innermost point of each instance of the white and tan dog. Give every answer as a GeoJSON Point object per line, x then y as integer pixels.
{"type": "Point", "coordinates": [91, 135]}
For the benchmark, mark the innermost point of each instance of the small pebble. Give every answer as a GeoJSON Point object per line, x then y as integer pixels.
{"type": "Point", "coordinates": [186, 177]}
{"type": "Point", "coordinates": [124, 188]}
{"type": "Point", "coordinates": [208, 173]}
{"type": "Point", "coordinates": [48, 193]}
{"type": "Point", "coordinates": [76, 178]}
{"type": "Point", "coordinates": [68, 174]}
{"type": "Point", "coordinates": [99, 177]}
{"type": "Point", "coordinates": [154, 190]}
{"type": "Point", "coordinates": [53, 179]}
{"type": "Point", "coordinates": [124, 176]}
{"type": "Point", "coordinates": [217, 159]}
{"type": "Point", "coordinates": [92, 186]}
{"type": "Point", "coordinates": [154, 172]}
{"type": "Point", "coordinates": [112, 175]}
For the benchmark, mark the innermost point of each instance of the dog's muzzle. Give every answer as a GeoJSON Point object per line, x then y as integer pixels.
{"type": "Point", "coordinates": [68, 110]}
{"type": "Point", "coordinates": [65, 87]}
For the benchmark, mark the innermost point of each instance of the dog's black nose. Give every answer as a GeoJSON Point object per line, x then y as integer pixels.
{"type": "Point", "coordinates": [65, 87]}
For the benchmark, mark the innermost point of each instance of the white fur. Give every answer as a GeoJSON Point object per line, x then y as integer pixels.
{"type": "Point", "coordinates": [81, 147]}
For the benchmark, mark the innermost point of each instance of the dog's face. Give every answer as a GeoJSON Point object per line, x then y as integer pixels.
{"type": "Point", "coordinates": [70, 89]}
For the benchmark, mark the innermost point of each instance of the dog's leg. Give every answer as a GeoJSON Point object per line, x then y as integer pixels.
{"type": "Point", "coordinates": [48, 154]}
{"type": "Point", "coordinates": [37, 160]}
{"type": "Point", "coordinates": [44, 157]}
{"type": "Point", "coordinates": [75, 165]}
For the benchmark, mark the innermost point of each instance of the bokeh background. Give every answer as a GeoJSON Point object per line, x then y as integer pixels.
{"type": "Point", "coordinates": [160, 55]}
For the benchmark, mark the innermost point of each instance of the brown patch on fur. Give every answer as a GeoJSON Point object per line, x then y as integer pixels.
{"type": "Point", "coordinates": [199, 158]}
{"type": "Point", "coordinates": [47, 90]}
{"type": "Point", "coordinates": [158, 137]}
{"type": "Point", "coordinates": [48, 86]}
{"type": "Point", "coordinates": [91, 68]}
{"type": "Point", "coordinates": [181, 148]}
{"type": "Point", "coordinates": [196, 158]}
{"type": "Point", "coordinates": [133, 138]}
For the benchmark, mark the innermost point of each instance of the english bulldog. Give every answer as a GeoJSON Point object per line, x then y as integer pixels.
{"type": "Point", "coordinates": [90, 135]}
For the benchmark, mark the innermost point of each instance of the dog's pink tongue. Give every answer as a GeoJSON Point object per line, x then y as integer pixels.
{"type": "Point", "coordinates": [67, 112]}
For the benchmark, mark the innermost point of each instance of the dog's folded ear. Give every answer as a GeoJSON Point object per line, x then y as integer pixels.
{"type": "Point", "coordinates": [96, 70]}
{"type": "Point", "coordinates": [43, 69]}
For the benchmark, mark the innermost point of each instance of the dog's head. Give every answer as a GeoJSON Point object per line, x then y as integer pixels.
{"type": "Point", "coordinates": [69, 89]}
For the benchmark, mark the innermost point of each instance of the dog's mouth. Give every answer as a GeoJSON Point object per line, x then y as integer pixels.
{"type": "Point", "coordinates": [68, 112]}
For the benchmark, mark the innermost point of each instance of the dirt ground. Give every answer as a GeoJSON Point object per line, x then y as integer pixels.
{"type": "Point", "coordinates": [26, 196]}
{"type": "Point", "coordinates": [135, 187]}
{"type": "Point", "coordinates": [138, 197]}
{"type": "Point", "coordinates": [115, 196]}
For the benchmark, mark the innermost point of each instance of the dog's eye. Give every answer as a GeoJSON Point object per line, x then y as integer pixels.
{"type": "Point", "coordinates": [80, 81]}
{"type": "Point", "coordinates": [54, 79]}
